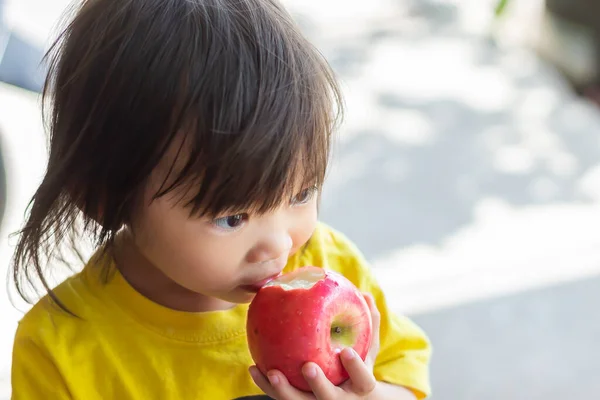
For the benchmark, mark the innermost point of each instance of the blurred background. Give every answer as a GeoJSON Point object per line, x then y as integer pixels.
{"type": "Point", "coordinates": [467, 170]}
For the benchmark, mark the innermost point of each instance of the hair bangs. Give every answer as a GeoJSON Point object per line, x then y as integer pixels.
{"type": "Point", "coordinates": [261, 127]}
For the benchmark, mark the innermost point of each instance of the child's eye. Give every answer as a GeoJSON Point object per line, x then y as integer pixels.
{"type": "Point", "coordinates": [230, 222]}
{"type": "Point", "coordinates": [304, 196]}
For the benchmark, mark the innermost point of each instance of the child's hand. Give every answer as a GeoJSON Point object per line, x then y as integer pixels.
{"type": "Point", "coordinates": [359, 386]}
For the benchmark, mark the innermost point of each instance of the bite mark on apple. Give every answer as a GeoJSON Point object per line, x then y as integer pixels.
{"type": "Point", "coordinates": [304, 278]}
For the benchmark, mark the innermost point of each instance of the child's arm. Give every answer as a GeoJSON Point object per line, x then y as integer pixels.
{"type": "Point", "coordinates": [405, 350]}
{"type": "Point", "coordinates": [380, 390]}
{"type": "Point", "coordinates": [384, 391]}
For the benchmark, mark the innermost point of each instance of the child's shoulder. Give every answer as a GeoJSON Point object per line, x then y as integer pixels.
{"type": "Point", "coordinates": [54, 315]}
{"type": "Point", "coordinates": [326, 238]}
{"type": "Point", "coordinates": [331, 249]}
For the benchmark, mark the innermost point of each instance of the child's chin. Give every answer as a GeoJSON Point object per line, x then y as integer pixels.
{"type": "Point", "coordinates": [241, 297]}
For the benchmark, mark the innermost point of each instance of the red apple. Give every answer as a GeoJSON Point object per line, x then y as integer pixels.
{"type": "Point", "coordinates": [310, 314]}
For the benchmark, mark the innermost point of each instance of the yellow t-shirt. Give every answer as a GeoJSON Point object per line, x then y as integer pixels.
{"type": "Point", "coordinates": [124, 346]}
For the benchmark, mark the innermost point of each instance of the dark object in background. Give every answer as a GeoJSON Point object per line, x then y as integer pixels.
{"type": "Point", "coordinates": [3, 194]}
{"type": "Point", "coordinates": [586, 14]}
{"type": "Point", "coordinates": [21, 65]}
{"type": "Point", "coordinates": [3, 30]}
{"type": "Point", "coordinates": [581, 12]}
{"type": "Point", "coordinates": [20, 61]}
{"type": "Point", "coordinates": [569, 39]}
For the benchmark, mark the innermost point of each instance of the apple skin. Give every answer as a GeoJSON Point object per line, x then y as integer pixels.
{"type": "Point", "coordinates": [287, 328]}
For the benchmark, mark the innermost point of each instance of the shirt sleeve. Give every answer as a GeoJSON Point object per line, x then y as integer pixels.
{"type": "Point", "coordinates": [34, 375]}
{"type": "Point", "coordinates": [405, 349]}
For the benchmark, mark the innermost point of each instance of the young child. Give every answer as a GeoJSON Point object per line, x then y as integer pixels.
{"type": "Point", "coordinates": [189, 141]}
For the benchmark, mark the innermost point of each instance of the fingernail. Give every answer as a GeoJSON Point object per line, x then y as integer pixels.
{"type": "Point", "coordinates": [349, 353]}
{"type": "Point", "coordinates": [273, 378]}
{"type": "Point", "coordinates": [311, 372]}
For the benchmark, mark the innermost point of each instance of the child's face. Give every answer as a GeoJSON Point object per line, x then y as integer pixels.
{"type": "Point", "coordinates": [220, 259]}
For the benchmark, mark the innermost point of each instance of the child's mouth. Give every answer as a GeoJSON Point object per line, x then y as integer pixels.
{"type": "Point", "coordinates": [255, 287]}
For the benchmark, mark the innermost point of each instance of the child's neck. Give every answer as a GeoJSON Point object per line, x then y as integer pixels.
{"type": "Point", "coordinates": [152, 283]}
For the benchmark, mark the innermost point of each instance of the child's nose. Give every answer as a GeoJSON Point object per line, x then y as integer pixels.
{"type": "Point", "coordinates": [272, 247]}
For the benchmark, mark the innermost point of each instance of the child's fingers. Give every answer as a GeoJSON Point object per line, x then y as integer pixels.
{"type": "Point", "coordinates": [361, 376]}
{"type": "Point", "coordinates": [283, 389]}
{"type": "Point", "coordinates": [261, 381]}
{"type": "Point", "coordinates": [276, 385]}
{"type": "Point", "coordinates": [375, 321]}
{"type": "Point", "coordinates": [375, 315]}
{"type": "Point", "coordinates": [322, 387]}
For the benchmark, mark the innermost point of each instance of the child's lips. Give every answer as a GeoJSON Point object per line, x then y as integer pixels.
{"type": "Point", "coordinates": [255, 287]}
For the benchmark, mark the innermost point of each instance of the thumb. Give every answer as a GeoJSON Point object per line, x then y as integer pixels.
{"type": "Point", "coordinates": [375, 323]}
